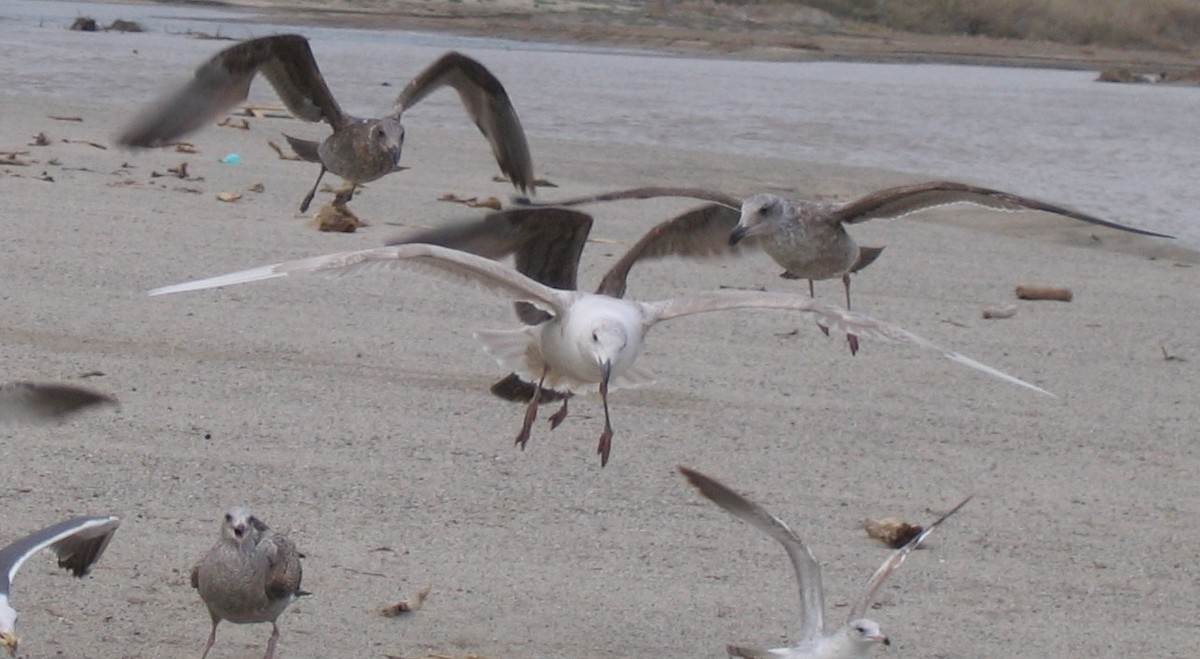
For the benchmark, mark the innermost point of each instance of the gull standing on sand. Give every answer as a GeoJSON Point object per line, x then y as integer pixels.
{"type": "Point", "coordinates": [809, 238]}
{"type": "Point", "coordinates": [859, 635]}
{"type": "Point", "coordinates": [43, 401]}
{"type": "Point", "coordinates": [359, 150]}
{"type": "Point", "coordinates": [250, 575]}
{"type": "Point", "coordinates": [590, 339]}
{"type": "Point", "coordinates": [78, 543]}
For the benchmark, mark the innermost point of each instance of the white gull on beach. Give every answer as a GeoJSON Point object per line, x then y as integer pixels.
{"type": "Point", "coordinates": [858, 636]}
{"type": "Point", "coordinates": [78, 543]}
{"type": "Point", "coordinates": [591, 338]}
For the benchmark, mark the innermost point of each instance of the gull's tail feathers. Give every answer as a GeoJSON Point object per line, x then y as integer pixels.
{"type": "Point", "coordinates": [516, 350]}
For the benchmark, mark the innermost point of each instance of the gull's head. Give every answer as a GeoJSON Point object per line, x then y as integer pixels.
{"type": "Point", "coordinates": [759, 213]}
{"type": "Point", "coordinates": [605, 343]}
{"type": "Point", "coordinates": [863, 634]}
{"type": "Point", "coordinates": [241, 528]}
{"type": "Point", "coordinates": [8, 623]}
{"type": "Point", "coordinates": [387, 135]}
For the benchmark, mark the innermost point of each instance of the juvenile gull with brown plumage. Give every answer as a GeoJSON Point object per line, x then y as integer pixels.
{"type": "Point", "coordinates": [359, 150]}
{"type": "Point", "coordinates": [809, 238]}
{"type": "Point", "coordinates": [251, 574]}
{"type": "Point", "coordinates": [589, 339]}
{"type": "Point", "coordinates": [78, 543]}
{"type": "Point", "coordinates": [858, 636]}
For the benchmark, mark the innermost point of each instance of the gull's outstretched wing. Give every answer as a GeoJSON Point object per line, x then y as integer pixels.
{"type": "Point", "coordinates": [488, 105]}
{"type": "Point", "coordinates": [908, 199]}
{"type": "Point", "coordinates": [732, 203]}
{"type": "Point", "coordinates": [77, 542]}
{"type": "Point", "coordinates": [831, 317]}
{"type": "Point", "coordinates": [39, 401]}
{"type": "Point", "coordinates": [224, 81]}
{"type": "Point", "coordinates": [897, 557]}
{"type": "Point", "coordinates": [546, 243]}
{"type": "Point", "coordinates": [808, 573]}
{"type": "Point", "coordinates": [700, 232]}
{"type": "Point", "coordinates": [467, 268]}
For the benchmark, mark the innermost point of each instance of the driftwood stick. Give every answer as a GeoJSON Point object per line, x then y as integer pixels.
{"type": "Point", "coordinates": [1004, 311]}
{"type": "Point", "coordinates": [1044, 293]}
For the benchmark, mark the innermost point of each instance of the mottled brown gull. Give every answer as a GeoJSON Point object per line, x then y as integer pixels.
{"type": "Point", "coordinates": [858, 636]}
{"type": "Point", "coordinates": [359, 150]}
{"type": "Point", "coordinates": [809, 238]}
{"type": "Point", "coordinates": [590, 339]}
{"type": "Point", "coordinates": [251, 574]}
{"type": "Point", "coordinates": [78, 543]}
{"type": "Point", "coordinates": [46, 401]}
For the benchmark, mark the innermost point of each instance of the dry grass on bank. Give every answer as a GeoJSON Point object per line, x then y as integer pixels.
{"type": "Point", "coordinates": [1172, 24]}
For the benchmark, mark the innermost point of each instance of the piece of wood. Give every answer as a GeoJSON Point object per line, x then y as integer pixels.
{"type": "Point", "coordinates": [1044, 293]}
{"type": "Point", "coordinates": [1005, 311]}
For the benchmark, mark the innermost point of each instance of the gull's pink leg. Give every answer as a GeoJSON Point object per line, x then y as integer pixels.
{"type": "Point", "coordinates": [311, 193]}
{"type": "Point", "coordinates": [558, 417]}
{"type": "Point", "coordinates": [606, 436]}
{"type": "Point", "coordinates": [850, 338]}
{"type": "Point", "coordinates": [530, 414]}
{"type": "Point", "coordinates": [212, 638]}
{"type": "Point", "coordinates": [271, 643]}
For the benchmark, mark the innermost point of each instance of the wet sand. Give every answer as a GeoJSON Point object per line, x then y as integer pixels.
{"type": "Point", "coordinates": [760, 31]}
{"type": "Point", "coordinates": [353, 413]}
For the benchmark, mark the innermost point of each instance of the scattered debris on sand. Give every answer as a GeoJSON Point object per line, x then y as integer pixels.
{"type": "Point", "coordinates": [336, 218]}
{"type": "Point", "coordinates": [892, 532]}
{"type": "Point", "coordinates": [406, 606]}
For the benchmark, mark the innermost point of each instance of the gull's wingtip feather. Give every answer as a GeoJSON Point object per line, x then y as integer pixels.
{"type": "Point", "coordinates": [995, 372]}
{"type": "Point", "coordinates": [240, 277]}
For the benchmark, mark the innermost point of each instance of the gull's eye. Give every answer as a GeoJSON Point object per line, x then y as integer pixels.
{"type": "Point", "coordinates": [762, 211]}
{"type": "Point", "coordinates": [228, 517]}
{"type": "Point", "coordinates": [595, 337]}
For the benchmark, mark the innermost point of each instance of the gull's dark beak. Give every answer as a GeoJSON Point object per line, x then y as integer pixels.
{"type": "Point", "coordinates": [885, 640]}
{"type": "Point", "coordinates": [736, 235]}
{"type": "Point", "coordinates": [605, 373]}
{"type": "Point", "coordinates": [394, 154]}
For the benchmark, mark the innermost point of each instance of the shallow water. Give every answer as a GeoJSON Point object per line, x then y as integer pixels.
{"type": "Point", "coordinates": [1123, 152]}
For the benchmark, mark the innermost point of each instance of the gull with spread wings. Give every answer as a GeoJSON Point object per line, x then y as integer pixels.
{"type": "Point", "coordinates": [854, 639]}
{"type": "Point", "coordinates": [78, 543]}
{"type": "Point", "coordinates": [809, 238]}
{"type": "Point", "coordinates": [359, 150]}
{"type": "Point", "coordinates": [588, 339]}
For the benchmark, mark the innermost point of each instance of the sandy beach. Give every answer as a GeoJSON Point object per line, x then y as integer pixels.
{"type": "Point", "coordinates": [353, 413]}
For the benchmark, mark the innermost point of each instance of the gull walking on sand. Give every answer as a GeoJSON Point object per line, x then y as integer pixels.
{"type": "Point", "coordinates": [809, 238]}
{"type": "Point", "coordinates": [250, 575]}
{"type": "Point", "coordinates": [45, 401]}
{"type": "Point", "coordinates": [359, 150]}
{"type": "Point", "coordinates": [78, 543]}
{"type": "Point", "coordinates": [858, 636]}
{"type": "Point", "coordinates": [590, 339]}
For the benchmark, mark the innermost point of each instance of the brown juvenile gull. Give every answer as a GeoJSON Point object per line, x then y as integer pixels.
{"type": "Point", "coordinates": [359, 150]}
{"type": "Point", "coordinates": [250, 575]}
{"type": "Point", "coordinates": [45, 401]}
{"type": "Point", "coordinates": [809, 238]}
{"type": "Point", "coordinates": [77, 542]}
{"type": "Point", "coordinates": [858, 636]}
{"type": "Point", "coordinates": [590, 339]}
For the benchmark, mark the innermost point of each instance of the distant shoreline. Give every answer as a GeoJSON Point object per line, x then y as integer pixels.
{"type": "Point", "coordinates": [768, 38]}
